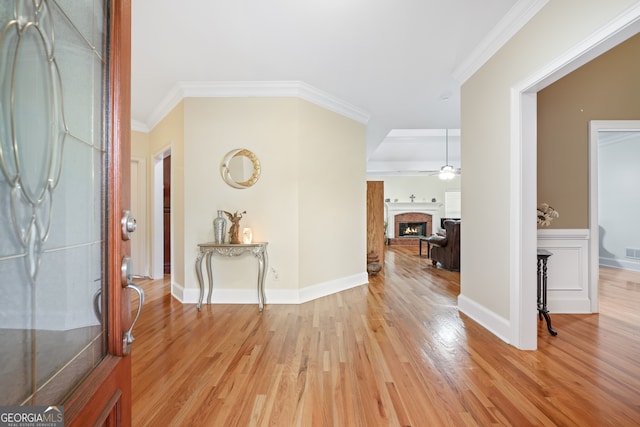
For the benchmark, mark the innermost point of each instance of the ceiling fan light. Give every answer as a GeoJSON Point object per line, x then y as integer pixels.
{"type": "Point", "coordinates": [446, 173]}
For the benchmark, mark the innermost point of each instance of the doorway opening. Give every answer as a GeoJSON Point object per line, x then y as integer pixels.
{"type": "Point", "coordinates": [139, 252]}
{"type": "Point", "coordinates": [609, 132]}
{"type": "Point", "coordinates": [166, 213]}
{"type": "Point", "coordinates": [161, 240]}
{"type": "Point", "coordinates": [524, 189]}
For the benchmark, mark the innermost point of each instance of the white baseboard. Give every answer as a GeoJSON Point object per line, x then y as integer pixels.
{"type": "Point", "coordinates": [569, 306]}
{"type": "Point", "coordinates": [497, 325]}
{"type": "Point", "coordinates": [331, 287]}
{"type": "Point", "coordinates": [178, 291]}
{"type": "Point", "coordinates": [624, 264]}
{"type": "Point", "coordinates": [272, 296]}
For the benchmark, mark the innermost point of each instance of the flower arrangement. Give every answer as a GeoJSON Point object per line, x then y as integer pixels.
{"type": "Point", "coordinates": [546, 214]}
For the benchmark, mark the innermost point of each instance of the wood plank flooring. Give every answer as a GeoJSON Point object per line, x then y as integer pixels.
{"type": "Point", "coordinates": [394, 353]}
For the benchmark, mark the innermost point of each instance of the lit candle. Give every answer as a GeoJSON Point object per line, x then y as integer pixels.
{"type": "Point", "coordinates": [246, 235]}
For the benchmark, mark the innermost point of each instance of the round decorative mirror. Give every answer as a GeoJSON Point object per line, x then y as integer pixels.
{"type": "Point", "coordinates": [240, 168]}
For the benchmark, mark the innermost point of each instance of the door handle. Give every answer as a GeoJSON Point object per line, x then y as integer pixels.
{"type": "Point", "coordinates": [97, 305]}
{"type": "Point", "coordinates": [129, 225]}
{"type": "Point", "coordinates": [128, 338]}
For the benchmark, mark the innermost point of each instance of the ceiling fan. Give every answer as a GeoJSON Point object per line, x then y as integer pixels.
{"type": "Point", "coordinates": [447, 171]}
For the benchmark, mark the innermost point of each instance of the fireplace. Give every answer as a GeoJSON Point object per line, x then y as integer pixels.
{"type": "Point", "coordinates": [409, 226]}
{"type": "Point", "coordinates": [412, 229]}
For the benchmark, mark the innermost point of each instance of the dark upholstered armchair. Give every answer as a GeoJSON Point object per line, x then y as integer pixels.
{"type": "Point", "coordinates": [445, 249]}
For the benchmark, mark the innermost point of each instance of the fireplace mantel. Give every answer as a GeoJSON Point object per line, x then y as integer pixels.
{"type": "Point", "coordinates": [395, 208]}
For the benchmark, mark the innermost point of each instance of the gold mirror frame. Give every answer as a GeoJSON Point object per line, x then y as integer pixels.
{"type": "Point", "coordinates": [226, 173]}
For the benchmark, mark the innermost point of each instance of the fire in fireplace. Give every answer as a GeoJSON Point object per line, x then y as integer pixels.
{"type": "Point", "coordinates": [413, 229]}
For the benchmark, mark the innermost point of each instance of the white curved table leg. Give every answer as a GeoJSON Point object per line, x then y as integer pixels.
{"type": "Point", "coordinates": [210, 274]}
{"type": "Point", "coordinates": [199, 276]}
{"type": "Point", "coordinates": [262, 269]}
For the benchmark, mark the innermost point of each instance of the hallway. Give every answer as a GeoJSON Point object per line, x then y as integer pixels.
{"type": "Point", "coordinates": [394, 353]}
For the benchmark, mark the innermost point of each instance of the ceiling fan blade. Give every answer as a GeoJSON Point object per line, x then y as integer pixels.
{"type": "Point", "coordinates": [455, 171]}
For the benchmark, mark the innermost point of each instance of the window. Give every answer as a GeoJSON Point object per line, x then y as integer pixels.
{"type": "Point", "coordinates": [452, 204]}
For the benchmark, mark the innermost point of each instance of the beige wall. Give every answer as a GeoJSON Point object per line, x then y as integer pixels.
{"type": "Point", "coordinates": [309, 202]}
{"type": "Point", "coordinates": [607, 88]}
{"type": "Point", "coordinates": [486, 125]}
{"type": "Point", "coordinates": [267, 127]}
{"type": "Point", "coordinates": [140, 144]}
{"type": "Point", "coordinates": [332, 194]}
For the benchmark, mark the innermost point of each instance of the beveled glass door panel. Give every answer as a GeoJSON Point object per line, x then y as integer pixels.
{"type": "Point", "coordinates": [52, 197]}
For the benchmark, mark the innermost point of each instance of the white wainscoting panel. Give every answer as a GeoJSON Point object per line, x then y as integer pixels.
{"type": "Point", "coordinates": [567, 269]}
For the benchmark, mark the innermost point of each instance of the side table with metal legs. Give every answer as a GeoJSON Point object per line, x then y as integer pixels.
{"type": "Point", "coordinates": [543, 256]}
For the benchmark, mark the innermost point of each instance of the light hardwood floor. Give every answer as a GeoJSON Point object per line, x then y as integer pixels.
{"type": "Point", "coordinates": [393, 353]}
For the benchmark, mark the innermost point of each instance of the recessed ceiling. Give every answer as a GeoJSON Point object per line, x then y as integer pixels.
{"type": "Point", "coordinates": [415, 152]}
{"type": "Point", "coordinates": [395, 60]}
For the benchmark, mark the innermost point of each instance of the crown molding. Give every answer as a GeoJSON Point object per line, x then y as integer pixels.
{"type": "Point", "coordinates": [138, 126]}
{"type": "Point", "coordinates": [509, 25]}
{"type": "Point", "coordinates": [168, 103]}
{"type": "Point", "coordinates": [295, 89]}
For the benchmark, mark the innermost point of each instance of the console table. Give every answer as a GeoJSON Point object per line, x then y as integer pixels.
{"type": "Point", "coordinates": [543, 255]}
{"type": "Point", "coordinates": [207, 250]}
